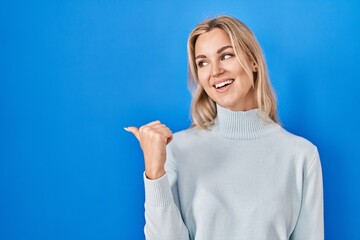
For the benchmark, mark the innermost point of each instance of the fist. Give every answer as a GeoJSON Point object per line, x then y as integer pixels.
{"type": "Point", "coordinates": [153, 138]}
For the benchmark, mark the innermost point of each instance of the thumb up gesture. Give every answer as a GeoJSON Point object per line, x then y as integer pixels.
{"type": "Point", "coordinates": [153, 138]}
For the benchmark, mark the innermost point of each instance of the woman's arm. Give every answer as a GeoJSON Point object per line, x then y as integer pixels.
{"type": "Point", "coordinates": [162, 215]}
{"type": "Point", "coordinates": [310, 224]}
{"type": "Point", "coordinates": [162, 208]}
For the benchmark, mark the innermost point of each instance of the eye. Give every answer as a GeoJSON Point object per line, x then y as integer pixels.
{"type": "Point", "coordinates": [226, 56]}
{"type": "Point", "coordinates": [202, 64]}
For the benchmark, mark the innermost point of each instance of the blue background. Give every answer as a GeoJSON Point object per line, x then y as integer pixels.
{"type": "Point", "coordinates": [74, 73]}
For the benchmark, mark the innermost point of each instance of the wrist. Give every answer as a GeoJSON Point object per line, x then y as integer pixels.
{"type": "Point", "coordinates": [153, 174]}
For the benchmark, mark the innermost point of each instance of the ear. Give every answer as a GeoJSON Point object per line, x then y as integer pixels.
{"type": "Point", "coordinates": [254, 67]}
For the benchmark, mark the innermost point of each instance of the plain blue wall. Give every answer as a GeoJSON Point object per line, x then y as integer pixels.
{"type": "Point", "coordinates": [74, 73]}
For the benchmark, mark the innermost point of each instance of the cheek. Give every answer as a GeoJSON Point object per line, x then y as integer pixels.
{"type": "Point", "coordinates": [242, 74]}
{"type": "Point", "coordinates": [203, 78]}
{"type": "Point", "coordinates": [238, 69]}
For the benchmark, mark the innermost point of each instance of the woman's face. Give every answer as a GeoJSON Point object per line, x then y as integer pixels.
{"type": "Point", "coordinates": [220, 73]}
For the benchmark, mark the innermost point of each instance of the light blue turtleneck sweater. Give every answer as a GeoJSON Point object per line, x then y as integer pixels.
{"type": "Point", "coordinates": [242, 179]}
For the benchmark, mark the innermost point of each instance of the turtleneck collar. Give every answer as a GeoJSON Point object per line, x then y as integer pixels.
{"type": "Point", "coordinates": [243, 125]}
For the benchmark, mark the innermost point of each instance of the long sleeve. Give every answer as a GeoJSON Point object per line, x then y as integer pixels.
{"type": "Point", "coordinates": [310, 224]}
{"type": "Point", "coordinates": [162, 215]}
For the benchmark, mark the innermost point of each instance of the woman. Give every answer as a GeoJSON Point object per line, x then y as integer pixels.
{"type": "Point", "coordinates": [236, 173]}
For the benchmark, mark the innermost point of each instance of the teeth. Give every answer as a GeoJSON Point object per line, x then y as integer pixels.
{"type": "Point", "coordinates": [219, 85]}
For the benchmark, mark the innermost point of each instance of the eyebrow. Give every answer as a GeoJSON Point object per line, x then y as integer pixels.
{"type": "Point", "coordinates": [218, 51]}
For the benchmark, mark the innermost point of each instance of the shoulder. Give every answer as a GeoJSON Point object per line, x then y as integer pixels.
{"type": "Point", "coordinates": [189, 138]}
{"type": "Point", "coordinates": [298, 146]}
{"type": "Point", "coordinates": [295, 140]}
{"type": "Point", "coordinates": [189, 133]}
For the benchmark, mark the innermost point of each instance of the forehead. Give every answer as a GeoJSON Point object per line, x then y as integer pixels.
{"type": "Point", "coordinates": [210, 42]}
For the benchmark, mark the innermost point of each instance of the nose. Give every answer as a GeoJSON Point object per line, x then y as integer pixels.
{"type": "Point", "coordinates": [217, 69]}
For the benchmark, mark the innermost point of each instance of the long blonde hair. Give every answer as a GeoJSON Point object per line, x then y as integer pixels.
{"type": "Point", "coordinates": [246, 47]}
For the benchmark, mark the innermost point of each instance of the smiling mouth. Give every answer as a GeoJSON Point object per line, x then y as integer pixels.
{"type": "Point", "coordinates": [223, 84]}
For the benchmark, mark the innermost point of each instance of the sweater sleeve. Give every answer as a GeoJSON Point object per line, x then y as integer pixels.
{"type": "Point", "coordinates": [162, 215]}
{"type": "Point", "coordinates": [310, 224]}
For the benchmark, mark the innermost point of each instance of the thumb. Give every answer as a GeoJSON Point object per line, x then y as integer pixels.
{"type": "Point", "coordinates": [134, 131]}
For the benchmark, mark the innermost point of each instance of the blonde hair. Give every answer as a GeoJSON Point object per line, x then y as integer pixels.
{"type": "Point", "coordinates": [247, 48]}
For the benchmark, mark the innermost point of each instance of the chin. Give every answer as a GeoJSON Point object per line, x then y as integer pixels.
{"type": "Point", "coordinates": [227, 105]}
{"type": "Point", "coordinates": [236, 106]}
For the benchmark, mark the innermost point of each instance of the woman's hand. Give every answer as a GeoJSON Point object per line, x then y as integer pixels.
{"type": "Point", "coordinates": [153, 138]}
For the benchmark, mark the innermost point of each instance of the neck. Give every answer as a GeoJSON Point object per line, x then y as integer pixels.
{"type": "Point", "coordinates": [244, 125]}
{"type": "Point", "coordinates": [247, 103]}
